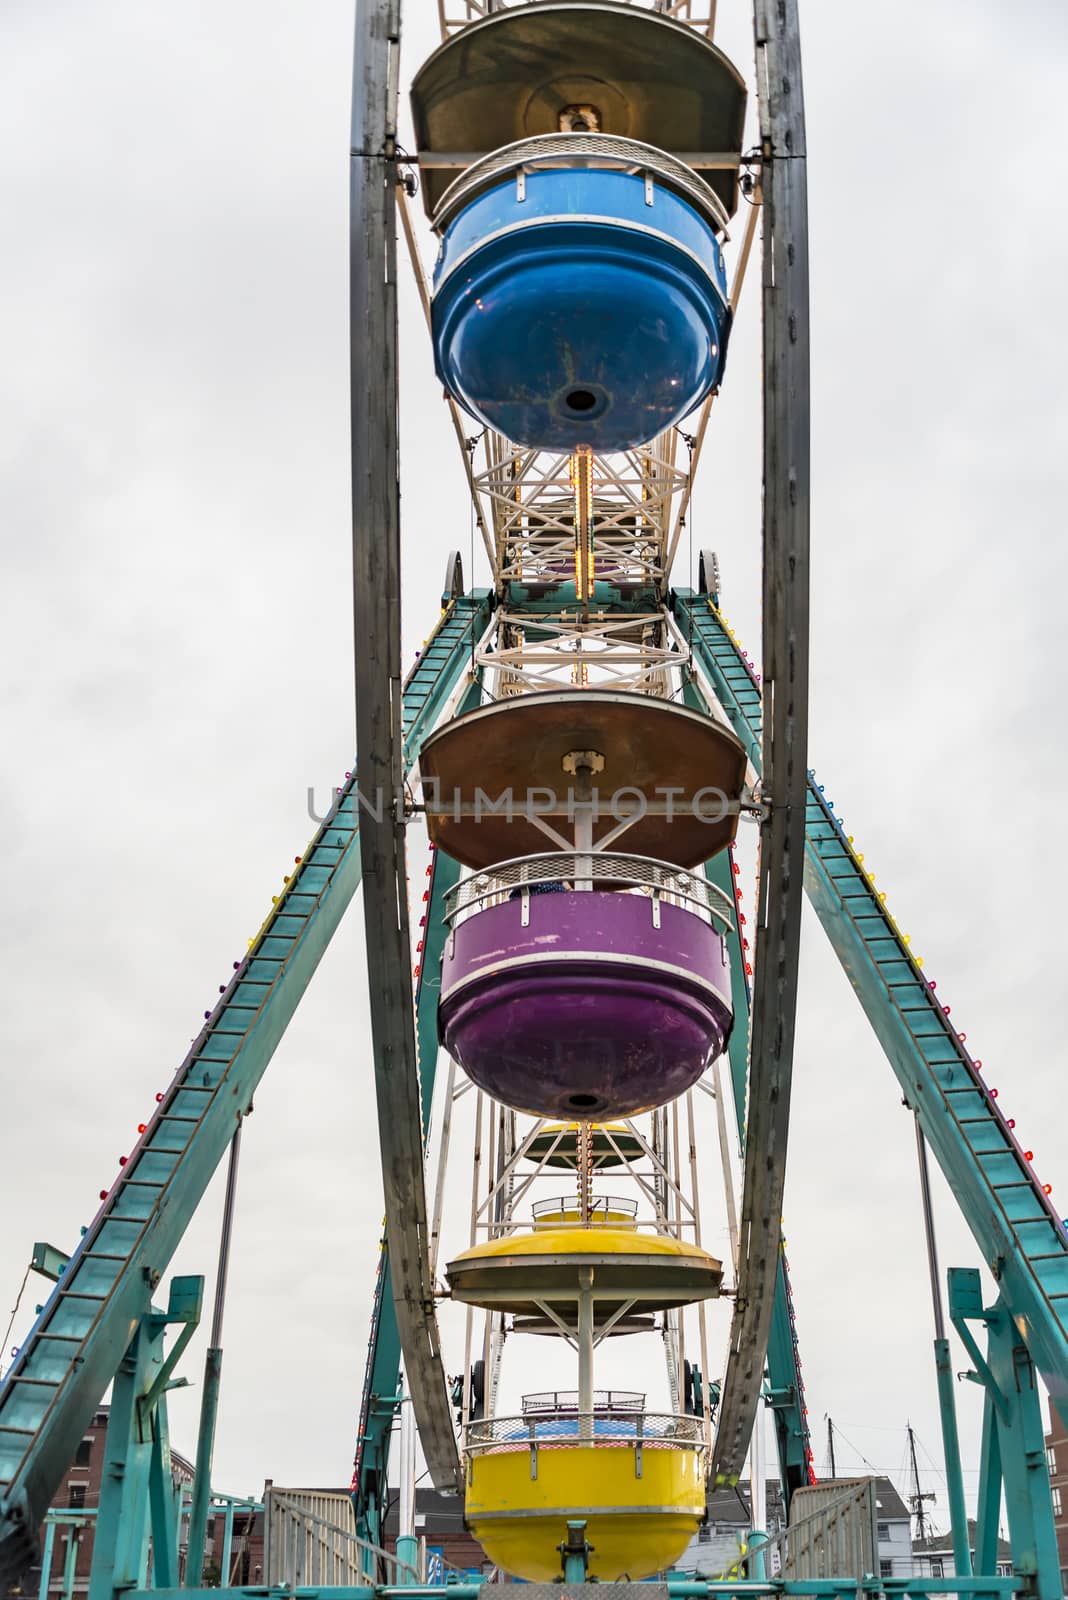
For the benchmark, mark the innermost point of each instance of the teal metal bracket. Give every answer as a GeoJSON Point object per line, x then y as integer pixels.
{"type": "Point", "coordinates": [48, 1261]}
{"type": "Point", "coordinates": [575, 1552]}
{"type": "Point", "coordinates": [1014, 1449]}
{"type": "Point", "coordinates": [184, 1306]}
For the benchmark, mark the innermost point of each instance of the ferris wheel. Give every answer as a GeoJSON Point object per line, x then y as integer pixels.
{"type": "Point", "coordinates": [587, 775]}
{"type": "Point", "coordinates": [582, 1026]}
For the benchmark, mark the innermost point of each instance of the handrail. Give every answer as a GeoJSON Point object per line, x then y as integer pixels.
{"type": "Point", "coordinates": [595, 151]}
{"type": "Point", "coordinates": [609, 1427]}
{"type": "Point", "coordinates": [599, 1210]}
{"type": "Point", "coordinates": [565, 1402]}
{"type": "Point", "coordinates": [597, 869]}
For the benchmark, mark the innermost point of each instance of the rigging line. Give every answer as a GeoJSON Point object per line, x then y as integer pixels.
{"type": "Point", "coordinates": [853, 1447]}
{"type": "Point", "coordinates": [932, 1463]}
{"type": "Point", "coordinates": [15, 1312]}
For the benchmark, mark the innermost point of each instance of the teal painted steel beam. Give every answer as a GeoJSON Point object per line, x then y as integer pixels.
{"type": "Point", "coordinates": [947, 1406]}
{"type": "Point", "coordinates": [988, 1501]}
{"type": "Point", "coordinates": [1020, 1235]}
{"type": "Point", "coordinates": [1008, 1376]}
{"type": "Point", "coordinates": [120, 1541]}
{"type": "Point", "coordinates": [82, 1335]}
{"type": "Point", "coordinates": [676, 1589]}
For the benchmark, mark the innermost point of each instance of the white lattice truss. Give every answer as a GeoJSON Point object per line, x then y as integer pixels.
{"type": "Point", "coordinates": [457, 14]}
{"type": "Point", "coordinates": [531, 650]}
{"type": "Point", "coordinates": [528, 501]}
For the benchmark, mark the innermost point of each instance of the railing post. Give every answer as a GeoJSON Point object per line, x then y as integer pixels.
{"type": "Point", "coordinates": [228, 1544]}
{"type": "Point", "coordinates": [46, 1557]}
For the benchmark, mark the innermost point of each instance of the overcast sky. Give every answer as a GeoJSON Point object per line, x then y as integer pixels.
{"type": "Point", "coordinates": [177, 641]}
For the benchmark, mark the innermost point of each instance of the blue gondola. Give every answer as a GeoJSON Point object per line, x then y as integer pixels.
{"type": "Point", "coordinates": [580, 304]}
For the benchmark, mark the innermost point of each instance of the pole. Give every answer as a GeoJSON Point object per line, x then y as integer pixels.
{"type": "Point", "coordinates": [585, 1353]}
{"type": "Point", "coordinates": [46, 1558]}
{"type": "Point", "coordinates": [947, 1400]}
{"type": "Point", "coordinates": [70, 1560]}
{"type": "Point", "coordinates": [725, 1162]}
{"type": "Point", "coordinates": [830, 1447]}
{"type": "Point", "coordinates": [917, 1497]}
{"type": "Point", "coordinates": [407, 1542]}
{"type": "Point", "coordinates": [209, 1403]}
{"type": "Point", "coordinates": [758, 1495]}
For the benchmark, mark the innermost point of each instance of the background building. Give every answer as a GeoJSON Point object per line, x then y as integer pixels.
{"type": "Point", "coordinates": [439, 1518]}
{"type": "Point", "coordinates": [1057, 1459]}
{"type": "Point", "coordinates": [933, 1556]}
{"type": "Point", "coordinates": [721, 1540]}
{"type": "Point", "coordinates": [69, 1575]}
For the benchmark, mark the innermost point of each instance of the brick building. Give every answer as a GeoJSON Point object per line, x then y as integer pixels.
{"type": "Point", "coordinates": [439, 1518]}
{"type": "Point", "coordinates": [1057, 1458]}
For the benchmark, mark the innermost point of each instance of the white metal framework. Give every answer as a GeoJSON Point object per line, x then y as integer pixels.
{"type": "Point", "coordinates": [455, 15]}
{"type": "Point", "coordinates": [639, 1172]}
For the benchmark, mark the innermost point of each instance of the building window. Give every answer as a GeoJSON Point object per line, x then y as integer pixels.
{"type": "Point", "coordinates": [886, 1569]}
{"type": "Point", "coordinates": [704, 1534]}
{"type": "Point", "coordinates": [83, 1452]}
{"type": "Point", "coordinates": [1056, 1493]}
{"type": "Point", "coordinates": [76, 1496]}
{"type": "Point", "coordinates": [936, 1569]}
{"type": "Point", "coordinates": [883, 1531]}
{"type": "Point", "coordinates": [1051, 1458]}
{"type": "Point", "coordinates": [1004, 1569]}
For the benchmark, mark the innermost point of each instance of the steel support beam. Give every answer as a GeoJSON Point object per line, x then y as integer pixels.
{"type": "Point", "coordinates": [785, 694]}
{"type": "Point", "coordinates": [379, 732]}
{"type": "Point", "coordinates": [1013, 1411]}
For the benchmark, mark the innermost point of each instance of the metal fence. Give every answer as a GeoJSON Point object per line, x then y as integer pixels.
{"type": "Point", "coordinates": [310, 1540]}
{"type": "Point", "coordinates": [832, 1534]}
